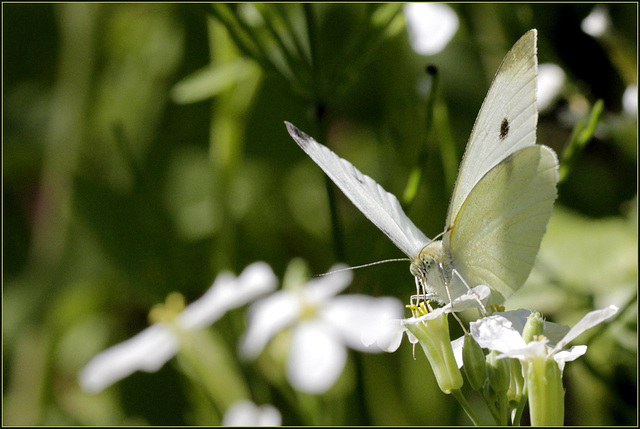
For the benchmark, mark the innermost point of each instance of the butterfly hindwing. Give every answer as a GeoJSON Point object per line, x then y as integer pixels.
{"type": "Point", "coordinates": [497, 233]}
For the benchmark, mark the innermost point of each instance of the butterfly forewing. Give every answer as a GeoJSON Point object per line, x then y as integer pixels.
{"type": "Point", "coordinates": [381, 207]}
{"type": "Point", "coordinates": [506, 122]}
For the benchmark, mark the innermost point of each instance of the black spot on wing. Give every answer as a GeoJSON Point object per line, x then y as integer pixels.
{"type": "Point", "coordinates": [504, 129]}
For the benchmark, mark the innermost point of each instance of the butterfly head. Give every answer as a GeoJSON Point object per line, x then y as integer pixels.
{"type": "Point", "coordinates": [432, 270]}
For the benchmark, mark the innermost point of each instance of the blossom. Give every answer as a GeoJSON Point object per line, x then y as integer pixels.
{"type": "Point", "coordinates": [430, 328]}
{"type": "Point", "coordinates": [630, 100]}
{"type": "Point", "coordinates": [598, 22]}
{"type": "Point", "coordinates": [432, 332]}
{"type": "Point", "coordinates": [431, 26]}
{"type": "Point", "coordinates": [551, 78]}
{"type": "Point", "coordinates": [388, 336]}
{"type": "Point", "coordinates": [503, 333]}
{"type": "Point", "coordinates": [153, 347]}
{"type": "Point", "coordinates": [322, 326]}
{"type": "Point", "coordinates": [542, 364]}
{"type": "Point", "coordinates": [246, 413]}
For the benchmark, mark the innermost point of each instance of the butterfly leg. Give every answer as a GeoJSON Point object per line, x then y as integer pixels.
{"type": "Point", "coordinates": [456, 273]}
{"type": "Point", "coordinates": [446, 287]}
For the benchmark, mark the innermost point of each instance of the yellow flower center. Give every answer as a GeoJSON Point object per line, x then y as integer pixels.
{"type": "Point", "coordinates": [167, 312]}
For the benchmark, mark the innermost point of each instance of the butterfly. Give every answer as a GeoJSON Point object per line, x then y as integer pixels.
{"type": "Point", "coordinates": [502, 198]}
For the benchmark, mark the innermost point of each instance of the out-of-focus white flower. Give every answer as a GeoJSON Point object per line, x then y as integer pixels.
{"type": "Point", "coordinates": [503, 333]}
{"type": "Point", "coordinates": [431, 26]}
{"type": "Point", "coordinates": [630, 100]}
{"type": "Point", "coordinates": [246, 413]}
{"type": "Point", "coordinates": [551, 78]}
{"type": "Point", "coordinates": [597, 23]}
{"type": "Point", "coordinates": [322, 325]}
{"type": "Point", "coordinates": [154, 346]}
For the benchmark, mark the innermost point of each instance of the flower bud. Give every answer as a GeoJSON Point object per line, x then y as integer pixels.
{"type": "Point", "coordinates": [474, 362]}
{"type": "Point", "coordinates": [533, 328]}
{"type": "Point", "coordinates": [516, 382]}
{"type": "Point", "coordinates": [497, 372]}
{"type": "Point", "coordinates": [546, 393]}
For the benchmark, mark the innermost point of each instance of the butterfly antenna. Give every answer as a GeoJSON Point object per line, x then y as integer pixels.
{"type": "Point", "coordinates": [363, 266]}
{"type": "Point", "coordinates": [434, 239]}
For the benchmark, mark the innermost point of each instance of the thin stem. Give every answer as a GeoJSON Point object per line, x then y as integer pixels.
{"type": "Point", "coordinates": [491, 406]}
{"type": "Point", "coordinates": [416, 175]}
{"type": "Point", "coordinates": [245, 39]}
{"type": "Point", "coordinates": [519, 410]}
{"type": "Point", "coordinates": [302, 52]}
{"type": "Point", "coordinates": [292, 63]}
{"type": "Point", "coordinates": [466, 407]}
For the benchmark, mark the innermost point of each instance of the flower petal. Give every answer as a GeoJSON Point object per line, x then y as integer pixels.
{"type": "Point", "coordinates": [533, 349]}
{"type": "Point", "coordinates": [590, 320]}
{"type": "Point", "coordinates": [569, 355]}
{"type": "Point", "coordinates": [147, 351]}
{"type": "Point", "coordinates": [496, 333]}
{"type": "Point", "coordinates": [469, 300]}
{"type": "Point", "coordinates": [456, 345]}
{"type": "Point", "coordinates": [316, 358]}
{"type": "Point", "coordinates": [320, 289]}
{"type": "Point", "coordinates": [360, 316]}
{"type": "Point", "coordinates": [226, 293]}
{"type": "Point", "coordinates": [431, 26]}
{"type": "Point", "coordinates": [266, 318]}
{"type": "Point", "coordinates": [246, 413]}
{"type": "Point", "coordinates": [518, 318]}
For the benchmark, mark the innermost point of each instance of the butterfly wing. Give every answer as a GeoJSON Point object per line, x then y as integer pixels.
{"type": "Point", "coordinates": [381, 207]}
{"type": "Point", "coordinates": [506, 122]}
{"type": "Point", "coordinates": [500, 225]}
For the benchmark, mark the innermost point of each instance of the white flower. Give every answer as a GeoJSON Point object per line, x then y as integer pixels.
{"type": "Point", "coordinates": [503, 333]}
{"type": "Point", "coordinates": [597, 22]}
{"type": "Point", "coordinates": [322, 325]}
{"type": "Point", "coordinates": [431, 26]}
{"type": "Point", "coordinates": [154, 346]}
{"type": "Point", "coordinates": [246, 413]}
{"type": "Point", "coordinates": [551, 78]}
{"type": "Point", "coordinates": [389, 336]}
{"type": "Point", "coordinates": [630, 100]}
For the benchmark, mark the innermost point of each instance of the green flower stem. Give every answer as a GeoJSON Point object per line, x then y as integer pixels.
{"type": "Point", "coordinates": [466, 407]}
{"type": "Point", "coordinates": [302, 52]}
{"type": "Point", "coordinates": [489, 398]}
{"type": "Point", "coordinates": [519, 410]}
{"type": "Point", "coordinates": [244, 38]}
{"type": "Point", "coordinates": [546, 393]}
{"type": "Point", "coordinates": [206, 361]}
{"type": "Point", "coordinates": [433, 335]}
{"type": "Point", "coordinates": [582, 133]}
{"type": "Point", "coordinates": [293, 63]}
{"type": "Point", "coordinates": [415, 178]}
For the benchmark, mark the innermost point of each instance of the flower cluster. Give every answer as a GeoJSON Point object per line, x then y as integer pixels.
{"type": "Point", "coordinates": [322, 324]}
{"type": "Point", "coordinates": [524, 361]}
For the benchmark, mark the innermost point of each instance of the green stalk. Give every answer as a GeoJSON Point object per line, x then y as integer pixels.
{"type": "Point", "coordinates": [466, 407]}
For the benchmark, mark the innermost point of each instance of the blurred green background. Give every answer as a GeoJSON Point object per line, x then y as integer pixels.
{"type": "Point", "coordinates": [143, 153]}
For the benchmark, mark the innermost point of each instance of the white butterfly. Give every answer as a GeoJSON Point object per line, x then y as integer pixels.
{"type": "Point", "coordinates": [501, 202]}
